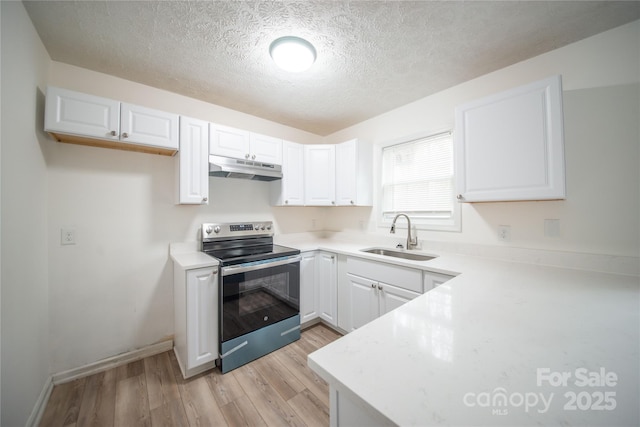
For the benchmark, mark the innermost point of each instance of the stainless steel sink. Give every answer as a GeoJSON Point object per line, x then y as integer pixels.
{"type": "Point", "coordinates": [398, 254]}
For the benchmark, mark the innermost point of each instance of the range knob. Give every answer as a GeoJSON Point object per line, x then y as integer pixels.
{"type": "Point", "coordinates": [216, 229]}
{"type": "Point", "coordinates": [209, 229]}
{"type": "Point", "coordinates": [256, 227]}
{"type": "Point", "coordinates": [268, 226]}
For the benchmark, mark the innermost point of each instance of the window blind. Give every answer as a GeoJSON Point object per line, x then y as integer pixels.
{"type": "Point", "coordinates": [417, 178]}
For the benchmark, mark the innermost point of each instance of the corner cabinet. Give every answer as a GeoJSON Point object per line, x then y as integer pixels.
{"type": "Point", "coordinates": [79, 118]}
{"type": "Point", "coordinates": [320, 175]}
{"type": "Point", "coordinates": [192, 162]}
{"type": "Point", "coordinates": [510, 146]}
{"type": "Point", "coordinates": [195, 319]}
{"type": "Point", "coordinates": [354, 164]}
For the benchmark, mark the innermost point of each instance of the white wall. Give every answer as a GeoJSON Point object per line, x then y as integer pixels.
{"type": "Point", "coordinates": [601, 214]}
{"type": "Point", "coordinates": [112, 291]}
{"type": "Point", "coordinates": [25, 354]}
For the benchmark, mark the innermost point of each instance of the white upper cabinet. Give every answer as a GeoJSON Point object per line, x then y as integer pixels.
{"type": "Point", "coordinates": [239, 144]}
{"type": "Point", "coordinates": [81, 114]}
{"type": "Point", "coordinates": [354, 185]}
{"type": "Point", "coordinates": [143, 125]}
{"type": "Point", "coordinates": [228, 142]}
{"type": "Point", "coordinates": [320, 175]}
{"type": "Point", "coordinates": [193, 162]}
{"type": "Point", "coordinates": [289, 191]}
{"type": "Point", "coordinates": [266, 149]}
{"type": "Point", "coordinates": [510, 146]}
{"type": "Point", "coordinates": [80, 118]}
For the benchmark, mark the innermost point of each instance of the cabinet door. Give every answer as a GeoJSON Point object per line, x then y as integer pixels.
{"type": "Point", "coordinates": [193, 162]}
{"type": "Point", "coordinates": [228, 142]}
{"type": "Point", "coordinates": [392, 297]}
{"type": "Point", "coordinates": [308, 289]}
{"type": "Point", "coordinates": [202, 319]}
{"type": "Point", "coordinates": [510, 146]}
{"type": "Point", "coordinates": [319, 175]}
{"type": "Point", "coordinates": [432, 280]}
{"type": "Point", "coordinates": [290, 188]}
{"type": "Point", "coordinates": [363, 301]}
{"type": "Point", "coordinates": [76, 113]}
{"type": "Point", "coordinates": [265, 149]}
{"type": "Point", "coordinates": [346, 173]}
{"type": "Point", "coordinates": [141, 125]}
{"type": "Point", "coordinates": [326, 281]}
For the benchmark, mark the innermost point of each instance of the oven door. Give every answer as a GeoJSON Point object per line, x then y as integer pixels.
{"type": "Point", "coordinates": [258, 294]}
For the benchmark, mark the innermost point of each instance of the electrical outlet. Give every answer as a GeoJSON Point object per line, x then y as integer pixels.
{"type": "Point", "coordinates": [504, 233]}
{"type": "Point", "coordinates": [67, 236]}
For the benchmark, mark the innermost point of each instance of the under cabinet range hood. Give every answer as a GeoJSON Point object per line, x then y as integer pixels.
{"type": "Point", "coordinates": [245, 169]}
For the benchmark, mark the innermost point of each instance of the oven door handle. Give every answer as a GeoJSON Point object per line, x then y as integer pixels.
{"type": "Point", "coordinates": [243, 268]}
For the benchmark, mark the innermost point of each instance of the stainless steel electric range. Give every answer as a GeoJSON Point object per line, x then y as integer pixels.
{"type": "Point", "coordinates": [259, 290]}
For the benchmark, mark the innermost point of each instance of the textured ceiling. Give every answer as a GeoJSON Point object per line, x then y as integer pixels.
{"type": "Point", "coordinates": [373, 56]}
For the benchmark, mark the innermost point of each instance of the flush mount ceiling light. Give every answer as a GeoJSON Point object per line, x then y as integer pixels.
{"type": "Point", "coordinates": [292, 53]}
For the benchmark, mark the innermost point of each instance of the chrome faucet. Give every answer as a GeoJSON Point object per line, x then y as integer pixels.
{"type": "Point", "coordinates": [411, 242]}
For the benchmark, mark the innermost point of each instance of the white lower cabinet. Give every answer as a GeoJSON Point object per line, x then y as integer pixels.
{"type": "Point", "coordinates": [318, 287]}
{"type": "Point", "coordinates": [371, 299]}
{"type": "Point", "coordinates": [308, 288]}
{"type": "Point", "coordinates": [376, 288]}
{"type": "Point", "coordinates": [326, 280]}
{"type": "Point", "coordinates": [433, 280]}
{"type": "Point", "coordinates": [196, 319]}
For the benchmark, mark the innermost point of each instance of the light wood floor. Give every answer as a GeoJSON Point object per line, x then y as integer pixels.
{"type": "Point", "coordinates": [275, 390]}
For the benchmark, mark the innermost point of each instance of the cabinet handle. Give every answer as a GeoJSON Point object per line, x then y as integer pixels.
{"type": "Point", "coordinates": [204, 199]}
{"type": "Point", "coordinates": [333, 202]}
{"type": "Point", "coordinates": [379, 287]}
{"type": "Point", "coordinates": [114, 133]}
{"type": "Point", "coordinates": [286, 202]}
{"type": "Point", "coordinates": [125, 135]}
{"type": "Point", "coordinates": [373, 285]}
{"type": "Point", "coordinates": [459, 197]}
{"type": "Point", "coordinates": [352, 202]}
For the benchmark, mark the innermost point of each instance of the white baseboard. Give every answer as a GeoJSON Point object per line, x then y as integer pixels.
{"type": "Point", "coordinates": [111, 362]}
{"type": "Point", "coordinates": [41, 404]}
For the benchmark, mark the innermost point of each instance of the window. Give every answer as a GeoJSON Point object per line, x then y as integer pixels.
{"type": "Point", "coordinates": [417, 179]}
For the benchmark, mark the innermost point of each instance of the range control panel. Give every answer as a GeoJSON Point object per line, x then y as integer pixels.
{"type": "Point", "coordinates": [237, 229]}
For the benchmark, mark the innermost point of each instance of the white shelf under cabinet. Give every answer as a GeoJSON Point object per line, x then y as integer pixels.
{"type": "Point", "coordinates": [510, 146]}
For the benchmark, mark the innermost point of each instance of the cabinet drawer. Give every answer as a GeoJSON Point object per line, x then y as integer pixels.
{"type": "Point", "coordinates": [403, 277]}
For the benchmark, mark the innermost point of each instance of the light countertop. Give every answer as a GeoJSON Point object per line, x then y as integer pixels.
{"type": "Point", "coordinates": [498, 329]}
{"type": "Point", "coordinates": [485, 347]}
